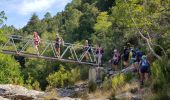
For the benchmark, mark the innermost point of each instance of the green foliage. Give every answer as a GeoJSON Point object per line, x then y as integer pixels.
{"type": "Point", "coordinates": [84, 72]}
{"type": "Point", "coordinates": [3, 39]}
{"type": "Point", "coordinates": [10, 72]}
{"type": "Point", "coordinates": [92, 86]}
{"type": "Point", "coordinates": [63, 77]}
{"type": "Point", "coordinates": [35, 73]}
{"type": "Point", "coordinates": [107, 84]}
{"type": "Point", "coordinates": [102, 24]}
{"type": "Point", "coordinates": [160, 75]}
{"type": "Point", "coordinates": [2, 17]}
{"type": "Point", "coordinates": [118, 81]}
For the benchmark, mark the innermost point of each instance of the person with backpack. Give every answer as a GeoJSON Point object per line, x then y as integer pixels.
{"type": "Point", "coordinates": [58, 42]}
{"type": "Point", "coordinates": [99, 54]}
{"type": "Point", "coordinates": [132, 57]}
{"type": "Point", "coordinates": [126, 56]}
{"type": "Point", "coordinates": [36, 39]}
{"type": "Point", "coordinates": [87, 50]}
{"type": "Point", "coordinates": [144, 69]}
{"type": "Point", "coordinates": [138, 58]}
{"type": "Point", "coordinates": [115, 59]}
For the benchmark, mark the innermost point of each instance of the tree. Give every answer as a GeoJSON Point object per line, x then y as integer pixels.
{"type": "Point", "coordinates": [33, 25]}
{"type": "Point", "coordinates": [47, 16]}
{"type": "Point", "coordinates": [2, 17]}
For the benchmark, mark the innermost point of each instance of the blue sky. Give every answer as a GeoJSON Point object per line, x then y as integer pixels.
{"type": "Point", "coordinates": [19, 12]}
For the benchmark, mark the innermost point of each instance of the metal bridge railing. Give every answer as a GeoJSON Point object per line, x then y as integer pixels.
{"type": "Point", "coordinates": [19, 45]}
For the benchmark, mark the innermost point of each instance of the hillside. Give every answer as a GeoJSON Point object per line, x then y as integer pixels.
{"type": "Point", "coordinates": [113, 24]}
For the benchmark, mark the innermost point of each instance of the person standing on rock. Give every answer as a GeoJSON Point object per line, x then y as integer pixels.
{"type": "Point", "coordinates": [115, 59]}
{"type": "Point", "coordinates": [126, 56]}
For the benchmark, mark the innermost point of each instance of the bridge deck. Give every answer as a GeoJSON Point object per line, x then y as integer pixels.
{"type": "Point", "coordinates": [29, 55]}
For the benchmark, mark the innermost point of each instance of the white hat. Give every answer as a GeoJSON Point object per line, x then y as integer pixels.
{"type": "Point", "coordinates": [57, 35]}
{"type": "Point", "coordinates": [115, 50]}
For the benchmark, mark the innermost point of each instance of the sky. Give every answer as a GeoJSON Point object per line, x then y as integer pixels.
{"type": "Point", "coordinates": [18, 12]}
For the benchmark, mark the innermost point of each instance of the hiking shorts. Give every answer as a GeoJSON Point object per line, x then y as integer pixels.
{"type": "Point", "coordinates": [57, 45]}
{"type": "Point", "coordinates": [36, 43]}
{"type": "Point", "coordinates": [115, 62]}
{"type": "Point", "coordinates": [144, 69]}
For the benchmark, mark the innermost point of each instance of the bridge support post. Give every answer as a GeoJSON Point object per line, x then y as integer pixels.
{"type": "Point", "coordinates": [96, 74]}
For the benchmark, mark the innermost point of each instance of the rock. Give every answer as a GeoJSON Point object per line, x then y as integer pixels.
{"type": "Point", "coordinates": [128, 70]}
{"type": "Point", "coordinates": [18, 92]}
{"type": "Point", "coordinates": [67, 98]}
{"type": "Point", "coordinates": [1, 98]}
{"type": "Point", "coordinates": [126, 95]}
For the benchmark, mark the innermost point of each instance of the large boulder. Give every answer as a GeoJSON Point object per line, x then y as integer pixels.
{"type": "Point", "coordinates": [18, 92]}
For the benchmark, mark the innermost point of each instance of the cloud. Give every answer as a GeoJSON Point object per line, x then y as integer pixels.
{"type": "Point", "coordinates": [30, 6]}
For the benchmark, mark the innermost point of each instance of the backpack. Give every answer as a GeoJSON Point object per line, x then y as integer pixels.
{"type": "Point", "coordinates": [133, 54]}
{"type": "Point", "coordinates": [145, 63]}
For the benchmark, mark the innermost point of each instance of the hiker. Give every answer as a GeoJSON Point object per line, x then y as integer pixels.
{"type": "Point", "coordinates": [99, 54]}
{"type": "Point", "coordinates": [144, 69]}
{"type": "Point", "coordinates": [126, 56]}
{"type": "Point", "coordinates": [138, 58]}
{"type": "Point", "coordinates": [57, 44]}
{"type": "Point", "coordinates": [87, 50]}
{"type": "Point", "coordinates": [115, 59]}
{"type": "Point", "coordinates": [37, 40]}
{"type": "Point", "coordinates": [132, 57]}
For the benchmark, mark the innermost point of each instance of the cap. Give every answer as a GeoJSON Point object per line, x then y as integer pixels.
{"type": "Point", "coordinates": [115, 50]}
{"type": "Point", "coordinates": [144, 57]}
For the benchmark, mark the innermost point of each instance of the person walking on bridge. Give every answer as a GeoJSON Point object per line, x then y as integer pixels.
{"type": "Point", "coordinates": [87, 50]}
{"type": "Point", "coordinates": [58, 42]}
{"type": "Point", "coordinates": [36, 39]}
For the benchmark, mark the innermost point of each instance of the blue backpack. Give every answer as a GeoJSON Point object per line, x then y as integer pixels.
{"type": "Point", "coordinates": [145, 63]}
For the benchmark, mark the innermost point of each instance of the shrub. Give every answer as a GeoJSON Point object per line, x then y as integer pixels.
{"type": "Point", "coordinates": [92, 86]}
{"type": "Point", "coordinates": [118, 81]}
{"type": "Point", "coordinates": [161, 77]}
{"type": "Point", "coordinates": [107, 84]}
{"type": "Point", "coordinates": [10, 72]}
{"type": "Point", "coordinates": [63, 77]}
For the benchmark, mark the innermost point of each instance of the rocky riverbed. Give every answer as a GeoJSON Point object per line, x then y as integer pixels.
{"type": "Point", "coordinates": [15, 92]}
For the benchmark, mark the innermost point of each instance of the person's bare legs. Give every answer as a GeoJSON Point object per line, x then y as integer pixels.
{"type": "Point", "coordinates": [141, 78]}
{"type": "Point", "coordinates": [36, 47]}
{"type": "Point", "coordinates": [99, 59]}
{"type": "Point", "coordinates": [126, 63]}
{"type": "Point", "coordinates": [58, 52]}
{"type": "Point", "coordinates": [115, 67]}
{"type": "Point", "coordinates": [146, 76]}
